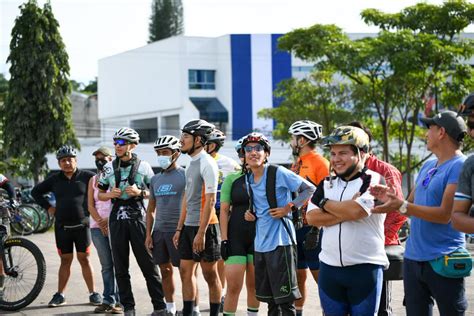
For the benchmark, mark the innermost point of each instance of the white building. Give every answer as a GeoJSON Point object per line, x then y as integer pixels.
{"type": "Point", "coordinates": [157, 88]}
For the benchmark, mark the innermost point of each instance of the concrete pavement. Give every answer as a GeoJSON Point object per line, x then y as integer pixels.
{"type": "Point", "coordinates": [77, 296]}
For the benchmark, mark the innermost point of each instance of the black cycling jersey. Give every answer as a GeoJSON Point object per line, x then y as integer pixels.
{"type": "Point", "coordinates": [71, 195]}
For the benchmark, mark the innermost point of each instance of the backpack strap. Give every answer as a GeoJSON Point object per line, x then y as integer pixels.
{"type": "Point", "coordinates": [270, 187]}
{"type": "Point", "coordinates": [133, 171]}
{"type": "Point", "coordinates": [116, 167]}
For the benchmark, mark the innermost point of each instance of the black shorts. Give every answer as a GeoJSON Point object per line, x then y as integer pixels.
{"type": "Point", "coordinates": [212, 247]}
{"type": "Point", "coordinates": [241, 239]}
{"type": "Point", "coordinates": [66, 239]}
{"type": "Point", "coordinates": [164, 250]}
{"type": "Point", "coordinates": [275, 275]}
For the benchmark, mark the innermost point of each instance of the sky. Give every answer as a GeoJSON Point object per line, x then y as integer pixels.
{"type": "Point", "coordinates": [94, 29]}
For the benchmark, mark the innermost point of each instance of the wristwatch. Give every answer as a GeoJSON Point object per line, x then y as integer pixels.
{"type": "Point", "coordinates": [322, 203]}
{"type": "Point", "coordinates": [404, 207]}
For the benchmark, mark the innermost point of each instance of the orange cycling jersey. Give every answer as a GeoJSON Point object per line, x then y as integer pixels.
{"type": "Point", "coordinates": [312, 166]}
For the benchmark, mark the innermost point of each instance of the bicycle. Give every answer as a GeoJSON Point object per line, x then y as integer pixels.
{"type": "Point", "coordinates": [23, 264]}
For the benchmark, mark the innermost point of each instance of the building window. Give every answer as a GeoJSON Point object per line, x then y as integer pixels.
{"type": "Point", "coordinates": [202, 79]}
{"type": "Point", "coordinates": [147, 129]}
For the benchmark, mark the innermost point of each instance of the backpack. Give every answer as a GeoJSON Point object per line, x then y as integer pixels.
{"type": "Point", "coordinates": [131, 175]}
{"type": "Point", "coordinates": [297, 213]}
{"type": "Point", "coordinates": [270, 188]}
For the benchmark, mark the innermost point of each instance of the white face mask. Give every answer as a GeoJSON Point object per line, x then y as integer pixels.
{"type": "Point", "coordinates": [164, 162]}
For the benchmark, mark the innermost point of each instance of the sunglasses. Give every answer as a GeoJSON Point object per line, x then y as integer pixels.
{"type": "Point", "coordinates": [470, 124]}
{"type": "Point", "coordinates": [249, 149]}
{"type": "Point", "coordinates": [429, 176]}
{"type": "Point", "coordinates": [121, 142]}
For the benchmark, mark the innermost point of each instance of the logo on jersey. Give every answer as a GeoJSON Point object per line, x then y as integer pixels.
{"type": "Point", "coordinates": [122, 214]}
{"type": "Point", "coordinates": [165, 189]}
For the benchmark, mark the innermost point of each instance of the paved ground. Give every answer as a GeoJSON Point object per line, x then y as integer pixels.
{"type": "Point", "coordinates": [77, 296]}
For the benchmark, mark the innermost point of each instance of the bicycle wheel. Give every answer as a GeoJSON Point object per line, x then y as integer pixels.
{"type": "Point", "coordinates": [26, 273]}
{"type": "Point", "coordinates": [45, 218]}
{"type": "Point", "coordinates": [25, 220]}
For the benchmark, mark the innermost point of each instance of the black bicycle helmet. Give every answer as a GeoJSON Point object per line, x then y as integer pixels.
{"type": "Point", "coordinates": [65, 151]}
{"type": "Point", "coordinates": [198, 128]}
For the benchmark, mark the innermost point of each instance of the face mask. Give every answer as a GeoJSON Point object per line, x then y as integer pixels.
{"type": "Point", "coordinates": [100, 164]}
{"type": "Point", "coordinates": [164, 162]}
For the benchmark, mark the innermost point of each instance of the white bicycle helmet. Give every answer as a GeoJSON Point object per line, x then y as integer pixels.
{"type": "Point", "coordinates": [309, 129]}
{"type": "Point", "coordinates": [127, 134]}
{"type": "Point", "coordinates": [217, 137]}
{"type": "Point", "coordinates": [167, 141]}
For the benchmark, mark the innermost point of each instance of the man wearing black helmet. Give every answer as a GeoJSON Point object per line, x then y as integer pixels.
{"type": "Point", "coordinates": [197, 235]}
{"type": "Point", "coordinates": [463, 198]}
{"type": "Point", "coordinates": [128, 177]}
{"type": "Point", "coordinates": [71, 229]}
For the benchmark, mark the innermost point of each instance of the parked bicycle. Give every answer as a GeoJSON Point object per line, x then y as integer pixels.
{"type": "Point", "coordinates": [23, 265]}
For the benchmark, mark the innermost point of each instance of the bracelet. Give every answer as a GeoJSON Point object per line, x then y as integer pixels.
{"type": "Point", "coordinates": [178, 230]}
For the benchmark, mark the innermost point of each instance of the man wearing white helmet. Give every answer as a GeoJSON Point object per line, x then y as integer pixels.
{"type": "Point", "coordinates": [313, 167]}
{"type": "Point", "coordinates": [127, 177]}
{"type": "Point", "coordinates": [226, 166]}
{"type": "Point", "coordinates": [164, 208]}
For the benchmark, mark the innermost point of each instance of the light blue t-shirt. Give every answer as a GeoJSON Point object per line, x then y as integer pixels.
{"type": "Point", "coordinates": [270, 232]}
{"type": "Point", "coordinates": [428, 240]}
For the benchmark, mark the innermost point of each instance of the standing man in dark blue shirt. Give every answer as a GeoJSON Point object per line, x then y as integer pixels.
{"type": "Point", "coordinates": [71, 229]}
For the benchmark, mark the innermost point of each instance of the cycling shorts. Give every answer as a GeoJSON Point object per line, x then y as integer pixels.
{"type": "Point", "coordinates": [67, 239]}
{"type": "Point", "coordinates": [352, 290]}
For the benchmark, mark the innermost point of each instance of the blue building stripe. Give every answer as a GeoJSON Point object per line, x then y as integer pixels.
{"type": "Point", "coordinates": [281, 67]}
{"type": "Point", "coordinates": [241, 85]}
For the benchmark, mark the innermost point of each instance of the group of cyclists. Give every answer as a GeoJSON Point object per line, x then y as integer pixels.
{"type": "Point", "coordinates": [264, 225]}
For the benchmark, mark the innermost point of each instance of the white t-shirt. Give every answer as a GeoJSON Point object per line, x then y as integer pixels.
{"type": "Point", "coordinates": [352, 242]}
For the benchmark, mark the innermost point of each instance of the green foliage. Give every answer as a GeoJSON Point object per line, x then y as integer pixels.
{"type": "Point", "coordinates": [36, 116]}
{"type": "Point", "coordinates": [317, 98]}
{"type": "Point", "coordinates": [166, 19]}
{"type": "Point", "coordinates": [3, 88]}
{"type": "Point", "coordinates": [90, 88]}
{"type": "Point", "coordinates": [417, 53]}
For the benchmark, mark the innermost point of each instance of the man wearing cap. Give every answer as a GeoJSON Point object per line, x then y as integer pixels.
{"type": "Point", "coordinates": [429, 206]}
{"type": "Point", "coordinates": [99, 225]}
{"type": "Point", "coordinates": [464, 194]}
{"type": "Point", "coordinates": [71, 230]}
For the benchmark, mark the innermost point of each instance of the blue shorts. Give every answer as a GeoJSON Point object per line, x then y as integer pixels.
{"type": "Point", "coordinates": [307, 258]}
{"type": "Point", "coordinates": [353, 290]}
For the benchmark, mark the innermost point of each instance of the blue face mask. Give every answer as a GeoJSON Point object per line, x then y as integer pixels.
{"type": "Point", "coordinates": [164, 162]}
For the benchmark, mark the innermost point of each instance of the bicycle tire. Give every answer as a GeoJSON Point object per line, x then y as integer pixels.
{"type": "Point", "coordinates": [24, 286]}
{"type": "Point", "coordinates": [45, 218]}
{"type": "Point", "coordinates": [25, 221]}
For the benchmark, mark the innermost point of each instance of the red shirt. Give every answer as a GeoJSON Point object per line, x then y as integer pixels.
{"type": "Point", "coordinates": [393, 177]}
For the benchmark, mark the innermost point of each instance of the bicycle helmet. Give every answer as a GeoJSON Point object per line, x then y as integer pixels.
{"type": "Point", "coordinates": [467, 107]}
{"type": "Point", "coordinates": [127, 134]}
{"type": "Point", "coordinates": [167, 141]}
{"type": "Point", "coordinates": [257, 138]}
{"type": "Point", "coordinates": [238, 146]}
{"type": "Point", "coordinates": [198, 128]}
{"type": "Point", "coordinates": [216, 137]}
{"type": "Point", "coordinates": [348, 135]}
{"type": "Point", "coordinates": [309, 129]}
{"type": "Point", "coordinates": [65, 151]}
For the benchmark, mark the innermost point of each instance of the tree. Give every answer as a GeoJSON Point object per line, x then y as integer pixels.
{"type": "Point", "coordinates": [166, 19]}
{"type": "Point", "coordinates": [36, 116]}
{"type": "Point", "coordinates": [417, 52]}
{"type": "Point", "coordinates": [314, 98]}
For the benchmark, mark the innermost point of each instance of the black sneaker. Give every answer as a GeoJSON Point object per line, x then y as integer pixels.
{"type": "Point", "coordinates": [57, 300]}
{"type": "Point", "coordinates": [95, 299]}
{"type": "Point", "coordinates": [103, 308]}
